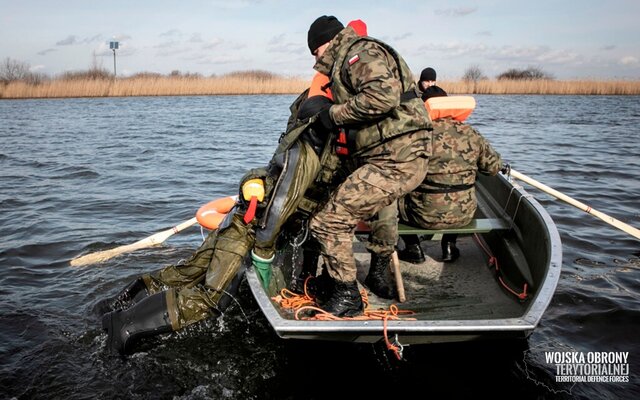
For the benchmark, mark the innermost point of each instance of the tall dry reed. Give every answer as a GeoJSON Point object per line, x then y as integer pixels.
{"type": "Point", "coordinates": [260, 83]}
{"type": "Point", "coordinates": [586, 87]}
{"type": "Point", "coordinates": [154, 86]}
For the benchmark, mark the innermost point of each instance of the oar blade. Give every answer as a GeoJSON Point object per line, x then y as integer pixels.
{"type": "Point", "coordinates": [150, 241]}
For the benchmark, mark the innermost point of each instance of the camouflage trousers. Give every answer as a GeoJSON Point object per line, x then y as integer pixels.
{"type": "Point", "coordinates": [428, 211]}
{"type": "Point", "coordinates": [201, 283]}
{"type": "Point", "coordinates": [378, 183]}
{"type": "Point", "coordinates": [438, 210]}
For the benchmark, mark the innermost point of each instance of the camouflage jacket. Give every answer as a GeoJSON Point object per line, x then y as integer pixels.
{"type": "Point", "coordinates": [459, 152]}
{"type": "Point", "coordinates": [446, 198]}
{"type": "Point", "coordinates": [367, 80]}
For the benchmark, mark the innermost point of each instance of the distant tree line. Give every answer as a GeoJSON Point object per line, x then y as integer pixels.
{"type": "Point", "coordinates": [475, 74]}
{"type": "Point", "coordinates": [13, 70]}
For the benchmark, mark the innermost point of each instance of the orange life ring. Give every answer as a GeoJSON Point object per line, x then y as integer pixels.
{"type": "Point", "coordinates": [211, 214]}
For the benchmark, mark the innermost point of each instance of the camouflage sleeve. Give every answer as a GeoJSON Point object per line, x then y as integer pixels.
{"type": "Point", "coordinates": [490, 161]}
{"type": "Point", "coordinates": [374, 78]}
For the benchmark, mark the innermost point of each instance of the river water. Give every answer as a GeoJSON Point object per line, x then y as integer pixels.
{"type": "Point", "coordinates": [81, 175]}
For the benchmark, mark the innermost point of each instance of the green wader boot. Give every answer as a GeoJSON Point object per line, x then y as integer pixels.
{"type": "Point", "coordinates": [263, 267]}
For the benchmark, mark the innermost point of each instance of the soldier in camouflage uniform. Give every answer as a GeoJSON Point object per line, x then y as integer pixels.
{"type": "Point", "coordinates": [299, 175]}
{"type": "Point", "coordinates": [447, 197]}
{"type": "Point", "coordinates": [390, 140]}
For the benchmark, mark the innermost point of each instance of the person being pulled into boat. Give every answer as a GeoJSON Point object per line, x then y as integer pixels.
{"type": "Point", "coordinates": [446, 198]}
{"type": "Point", "coordinates": [427, 84]}
{"type": "Point", "coordinates": [299, 175]}
{"type": "Point", "coordinates": [389, 139]}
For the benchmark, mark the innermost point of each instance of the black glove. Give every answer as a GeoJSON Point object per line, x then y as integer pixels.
{"type": "Point", "coordinates": [312, 106]}
{"type": "Point", "coordinates": [506, 168]}
{"type": "Point", "coordinates": [325, 119]}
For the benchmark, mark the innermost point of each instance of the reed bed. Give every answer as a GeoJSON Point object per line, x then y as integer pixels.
{"type": "Point", "coordinates": [583, 87]}
{"type": "Point", "coordinates": [154, 86]}
{"type": "Point", "coordinates": [241, 83]}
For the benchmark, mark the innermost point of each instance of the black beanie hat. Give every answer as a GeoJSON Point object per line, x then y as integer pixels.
{"type": "Point", "coordinates": [428, 74]}
{"type": "Point", "coordinates": [322, 30]}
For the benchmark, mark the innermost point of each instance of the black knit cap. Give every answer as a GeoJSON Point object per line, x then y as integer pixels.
{"type": "Point", "coordinates": [428, 74]}
{"type": "Point", "coordinates": [322, 30]}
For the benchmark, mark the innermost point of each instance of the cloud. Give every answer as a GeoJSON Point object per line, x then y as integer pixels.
{"type": "Point", "coordinates": [213, 43]}
{"type": "Point", "coordinates": [196, 38]}
{"type": "Point", "coordinates": [277, 39]}
{"type": "Point", "coordinates": [168, 52]}
{"type": "Point", "coordinates": [35, 68]}
{"type": "Point", "coordinates": [455, 12]}
{"type": "Point", "coordinates": [505, 54]}
{"type": "Point", "coordinates": [222, 59]}
{"type": "Point", "coordinates": [402, 36]}
{"type": "Point", "coordinates": [279, 44]}
{"type": "Point", "coordinates": [121, 37]}
{"type": "Point", "coordinates": [71, 39]}
{"type": "Point", "coordinates": [46, 51]}
{"type": "Point", "coordinates": [171, 33]}
{"type": "Point", "coordinates": [93, 39]}
{"type": "Point", "coordinates": [628, 61]}
{"type": "Point", "coordinates": [453, 49]}
{"type": "Point", "coordinates": [168, 43]}
{"type": "Point", "coordinates": [485, 33]}
{"type": "Point", "coordinates": [234, 5]}
{"type": "Point", "coordinates": [608, 47]}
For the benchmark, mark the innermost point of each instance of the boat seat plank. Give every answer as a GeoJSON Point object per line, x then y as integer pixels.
{"type": "Point", "coordinates": [478, 225]}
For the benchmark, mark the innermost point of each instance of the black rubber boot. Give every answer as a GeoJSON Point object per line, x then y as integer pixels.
{"type": "Point", "coordinates": [450, 252]}
{"type": "Point", "coordinates": [412, 251]}
{"type": "Point", "coordinates": [321, 287]}
{"type": "Point", "coordinates": [309, 268]}
{"type": "Point", "coordinates": [149, 317]}
{"type": "Point", "coordinates": [345, 300]}
{"type": "Point", "coordinates": [131, 294]}
{"type": "Point", "coordinates": [379, 279]}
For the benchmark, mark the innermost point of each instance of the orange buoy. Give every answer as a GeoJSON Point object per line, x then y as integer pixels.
{"type": "Point", "coordinates": [211, 214]}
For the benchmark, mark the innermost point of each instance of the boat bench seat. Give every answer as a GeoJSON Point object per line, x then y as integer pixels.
{"type": "Point", "coordinates": [479, 225]}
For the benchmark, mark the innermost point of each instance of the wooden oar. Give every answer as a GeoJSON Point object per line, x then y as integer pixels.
{"type": "Point", "coordinates": [395, 266]}
{"type": "Point", "coordinates": [140, 244]}
{"type": "Point", "coordinates": [610, 220]}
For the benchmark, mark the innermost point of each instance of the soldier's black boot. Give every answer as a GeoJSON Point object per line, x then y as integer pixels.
{"type": "Point", "coordinates": [379, 279]}
{"type": "Point", "coordinates": [450, 252]}
{"type": "Point", "coordinates": [309, 268]}
{"type": "Point", "coordinates": [131, 294]}
{"type": "Point", "coordinates": [345, 300]}
{"type": "Point", "coordinates": [149, 317]}
{"type": "Point", "coordinates": [412, 251]}
{"type": "Point", "coordinates": [322, 286]}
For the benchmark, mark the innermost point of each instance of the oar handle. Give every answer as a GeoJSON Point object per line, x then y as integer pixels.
{"type": "Point", "coordinates": [606, 218]}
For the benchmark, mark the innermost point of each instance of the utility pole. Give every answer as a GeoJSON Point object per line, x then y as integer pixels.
{"type": "Point", "coordinates": [114, 46]}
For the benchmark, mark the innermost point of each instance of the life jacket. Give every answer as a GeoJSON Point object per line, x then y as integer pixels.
{"type": "Point", "coordinates": [457, 108]}
{"type": "Point", "coordinates": [408, 117]}
{"type": "Point", "coordinates": [320, 86]}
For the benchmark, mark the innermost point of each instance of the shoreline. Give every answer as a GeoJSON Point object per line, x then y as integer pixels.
{"type": "Point", "coordinates": [189, 86]}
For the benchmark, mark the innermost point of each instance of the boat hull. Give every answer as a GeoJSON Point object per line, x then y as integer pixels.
{"type": "Point", "coordinates": [454, 302]}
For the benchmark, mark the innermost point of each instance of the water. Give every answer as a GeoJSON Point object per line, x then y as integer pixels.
{"type": "Point", "coordinates": [79, 175]}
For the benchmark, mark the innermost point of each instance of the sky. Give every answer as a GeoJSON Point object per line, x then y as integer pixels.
{"type": "Point", "coordinates": [583, 39]}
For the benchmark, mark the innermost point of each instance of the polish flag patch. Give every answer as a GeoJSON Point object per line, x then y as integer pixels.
{"type": "Point", "coordinates": [354, 59]}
